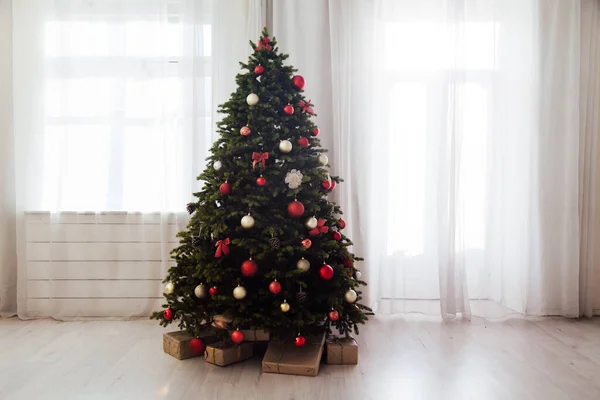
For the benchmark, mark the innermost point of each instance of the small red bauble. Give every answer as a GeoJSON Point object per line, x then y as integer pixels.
{"type": "Point", "coordinates": [237, 336]}
{"type": "Point", "coordinates": [303, 142]}
{"type": "Point", "coordinates": [348, 263]}
{"type": "Point", "coordinates": [225, 188]}
{"type": "Point", "coordinates": [197, 346]}
{"type": "Point", "coordinates": [306, 243]}
{"type": "Point", "coordinates": [334, 315]}
{"type": "Point", "coordinates": [342, 223]}
{"type": "Point", "coordinates": [245, 130]}
{"type": "Point", "coordinates": [332, 185]}
{"type": "Point", "coordinates": [298, 82]}
{"type": "Point", "coordinates": [326, 185]}
{"type": "Point", "coordinates": [261, 181]}
{"type": "Point", "coordinates": [300, 341]}
{"type": "Point", "coordinates": [337, 236]}
{"type": "Point", "coordinates": [326, 272]}
{"type": "Point", "coordinates": [259, 69]}
{"type": "Point", "coordinates": [315, 131]}
{"type": "Point", "coordinates": [168, 314]}
{"type": "Point", "coordinates": [249, 268]}
{"type": "Point", "coordinates": [289, 110]}
{"type": "Point", "coordinates": [295, 209]}
{"type": "Point", "coordinates": [275, 287]}
{"type": "Point", "coordinates": [213, 291]}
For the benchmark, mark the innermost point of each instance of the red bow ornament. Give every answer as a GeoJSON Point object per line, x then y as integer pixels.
{"type": "Point", "coordinates": [306, 107]}
{"type": "Point", "coordinates": [222, 248]}
{"type": "Point", "coordinates": [321, 228]}
{"type": "Point", "coordinates": [263, 44]}
{"type": "Point", "coordinates": [259, 157]}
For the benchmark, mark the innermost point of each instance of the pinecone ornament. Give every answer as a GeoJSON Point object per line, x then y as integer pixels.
{"type": "Point", "coordinates": [301, 296]}
{"type": "Point", "coordinates": [196, 241]}
{"type": "Point", "coordinates": [191, 207]}
{"type": "Point", "coordinates": [275, 243]}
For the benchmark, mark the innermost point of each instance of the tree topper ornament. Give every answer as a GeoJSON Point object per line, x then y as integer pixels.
{"type": "Point", "coordinates": [294, 179]}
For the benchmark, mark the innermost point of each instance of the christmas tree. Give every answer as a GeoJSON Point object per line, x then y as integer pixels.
{"type": "Point", "coordinates": [264, 248]}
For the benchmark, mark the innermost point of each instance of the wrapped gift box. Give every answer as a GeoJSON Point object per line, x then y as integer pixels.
{"type": "Point", "coordinates": [286, 358]}
{"type": "Point", "coordinates": [223, 354]}
{"type": "Point", "coordinates": [342, 350]}
{"type": "Point", "coordinates": [177, 343]}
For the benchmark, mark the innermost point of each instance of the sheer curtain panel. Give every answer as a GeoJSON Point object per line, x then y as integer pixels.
{"type": "Point", "coordinates": [113, 118]}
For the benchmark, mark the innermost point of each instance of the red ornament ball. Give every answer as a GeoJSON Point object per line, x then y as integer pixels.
{"type": "Point", "coordinates": [275, 287]}
{"type": "Point", "coordinates": [168, 314]}
{"type": "Point", "coordinates": [348, 263]}
{"type": "Point", "coordinates": [245, 130]}
{"type": "Point", "coordinates": [225, 188]}
{"type": "Point", "coordinates": [197, 346]}
{"type": "Point", "coordinates": [259, 69]}
{"type": "Point", "coordinates": [295, 209]}
{"type": "Point", "coordinates": [303, 142]}
{"type": "Point", "coordinates": [342, 223]}
{"type": "Point", "coordinates": [289, 110]}
{"type": "Point", "coordinates": [332, 185]}
{"type": "Point", "coordinates": [249, 268]}
{"type": "Point", "coordinates": [315, 131]}
{"type": "Point", "coordinates": [213, 291]}
{"type": "Point", "coordinates": [334, 315]}
{"type": "Point", "coordinates": [261, 181]}
{"type": "Point", "coordinates": [337, 236]}
{"type": "Point", "coordinates": [326, 185]}
{"type": "Point", "coordinates": [237, 336]}
{"type": "Point", "coordinates": [326, 272]}
{"type": "Point", "coordinates": [300, 341]}
{"type": "Point", "coordinates": [298, 82]}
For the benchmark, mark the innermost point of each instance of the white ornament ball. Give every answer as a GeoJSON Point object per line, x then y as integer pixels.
{"type": "Point", "coordinates": [252, 99]}
{"type": "Point", "coordinates": [311, 223]}
{"type": "Point", "coordinates": [285, 146]}
{"type": "Point", "coordinates": [285, 307]}
{"type": "Point", "coordinates": [239, 292]}
{"type": "Point", "coordinates": [247, 221]}
{"type": "Point", "coordinates": [357, 274]}
{"type": "Point", "coordinates": [350, 296]}
{"type": "Point", "coordinates": [322, 159]}
{"type": "Point", "coordinates": [169, 288]}
{"type": "Point", "coordinates": [200, 291]}
{"type": "Point", "coordinates": [217, 165]}
{"type": "Point", "coordinates": [303, 264]}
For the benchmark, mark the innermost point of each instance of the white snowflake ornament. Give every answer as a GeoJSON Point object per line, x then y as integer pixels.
{"type": "Point", "coordinates": [294, 179]}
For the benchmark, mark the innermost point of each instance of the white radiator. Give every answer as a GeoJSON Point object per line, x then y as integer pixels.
{"type": "Point", "coordinates": [97, 265]}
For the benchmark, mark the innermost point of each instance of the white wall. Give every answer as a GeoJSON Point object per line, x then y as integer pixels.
{"type": "Point", "coordinates": [8, 258]}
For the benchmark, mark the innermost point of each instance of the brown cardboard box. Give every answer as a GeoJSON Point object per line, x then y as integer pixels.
{"type": "Point", "coordinates": [223, 354]}
{"type": "Point", "coordinates": [286, 358]}
{"type": "Point", "coordinates": [342, 350]}
{"type": "Point", "coordinates": [177, 343]}
{"type": "Point", "coordinates": [255, 335]}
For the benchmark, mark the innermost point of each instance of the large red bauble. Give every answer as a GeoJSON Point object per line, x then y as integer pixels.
{"type": "Point", "coordinates": [237, 336]}
{"type": "Point", "coordinates": [197, 346]}
{"type": "Point", "coordinates": [348, 263]}
{"type": "Point", "coordinates": [213, 291]}
{"type": "Point", "coordinates": [289, 110]}
{"type": "Point", "coordinates": [275, 287]}
{"type": "Point", "coordinates": [168, 314]}
{"type": "Point", "coordinates": [295, 209]}
{"type": "Point", "coordinates": [334, 315]}
{"type": "Point", "coordinates": [298, 82]}
{"type": "Point", "coordinates": [225, 188]}
{"type": "Point", "coordinates": [326, 185]}
{"type": "Point", "coordinates": [303, 142]}
{"type": "Point", "coordinates": [337, 236]}
{"type": "Point", "coordinates": [249, 268]}
{"type": "Point", "coordinates": [326, 272]}
{"type": "Point", "coordinates": [261, 181]}
{"type": "Point", "coordinates": [315, 131]}
{"type": "Point", "coordinates": [300, 341]}
{"type": "Point", "coordinates": [245, 130]}
{"type": "Point", "coordinates": [259, 69]}
{"type": "Point", "coordinates": [342, 223]}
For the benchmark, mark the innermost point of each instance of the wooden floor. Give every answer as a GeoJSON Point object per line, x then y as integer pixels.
{"type": "Point", "coordinates": [401, 357]}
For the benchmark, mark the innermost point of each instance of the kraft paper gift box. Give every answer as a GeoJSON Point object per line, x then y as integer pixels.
{"type": "Point", "coordinates": [286, 358]}
{"type": "Point", "coordinates": [177, 344]}
{"type": "Point", "coordinates": [223, 354]}
{"type": "Point", "coordinates": [342, 350]}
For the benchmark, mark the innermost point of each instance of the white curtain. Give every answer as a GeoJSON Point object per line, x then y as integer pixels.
{"type": "Point", "coordinates": [113, 117]}
{"type": "Point", "coordinates": [456, 124]}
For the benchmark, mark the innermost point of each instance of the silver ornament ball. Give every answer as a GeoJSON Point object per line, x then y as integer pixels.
{"type": "Point", "coordinates": [350, 296]}
{"type": "Point", "coordinates": [252, 99]}
{"type": "Point", "coordinates": [217, 165]}
{"type": "Point", "coordinates": [200, 291]}
{"type": "Point", "coordinates": [322, 159]}
{"type": "Point", "coordinates": [247, 221]}
{"type": "Point", "coordinates": [357, 274]}
{"type": "Point", "coordinates": [311, 223]}
{"type": "Point", "coordinates": [169, 288]}
{"type": "Point", "coordinates": [303, 264]}
{"type": "Point", "coordinates": [239, 292]}
{"type": "Point", "coordinates": [285, 146]}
